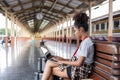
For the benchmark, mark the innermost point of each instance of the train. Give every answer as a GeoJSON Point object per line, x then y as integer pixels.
{"type": "Point", "coordinates": [99, 30]}
{"type": "Point", "coordinates": [100, 27]}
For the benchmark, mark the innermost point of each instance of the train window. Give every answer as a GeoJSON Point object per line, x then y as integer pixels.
{"type": "Point", "coordinates": [93, 28]}
{"type": "Point", "coordinates": [57, 32]}
{"type": "Point", "coordinates": [97, 27]}
{"type": "Point", "coordinates": [116, 24]}
{"type": "Point", "coordinates": [64, 31]}
{"type": "Point", "coordinates": [107, 25]}
{"type": "Point", "coordinates": [102, 26]}
{"type": "Point", "coordinates": [60, 32]}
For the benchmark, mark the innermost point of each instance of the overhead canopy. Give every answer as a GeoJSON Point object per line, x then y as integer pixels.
{"type": "Point", "coordinates": [53, 11]}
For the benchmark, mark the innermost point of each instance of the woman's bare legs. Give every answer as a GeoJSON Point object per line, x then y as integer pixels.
{"type": "Point", "coordinates": [48, 70]}
{"type": "Point", "coordinates": [57, 72]}
{"type": "Point", "coordinates": [51, 69]}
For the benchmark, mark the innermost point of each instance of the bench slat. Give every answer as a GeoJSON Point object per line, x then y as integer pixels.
{"type": "Point", "coordinates": [108, 63]}
{"type": "Point", "coordinates": [107, 69]}
{"type": "Point", "coordinates": [95, 76]}
{"type": "Point", "coordinates": [109, 48]}
{"type": "Point", "coordinates": [108, 57]}
{"type": "Point", "coordinates": [103, 74]}
{"type": "Point", "coordinates": [103, 67]}
{"type": "Point", "coordinates": [105, 56]}
{"type": "Point", "coordinates": [102, 61]}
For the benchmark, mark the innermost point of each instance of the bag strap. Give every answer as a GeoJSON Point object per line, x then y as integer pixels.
{"type": "Point", "coordinates": [79, 46]}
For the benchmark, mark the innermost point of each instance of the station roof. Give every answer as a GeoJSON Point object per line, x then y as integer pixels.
{"type": "Point", "coordinates": [53, 11]}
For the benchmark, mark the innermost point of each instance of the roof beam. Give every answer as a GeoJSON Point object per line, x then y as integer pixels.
{"type": "Point", "coordinates": [22, 4]}
{"type": "Point", "coordinates": [66, 5]}
{"type": "Point", "coordinates": [38, 0]}
{"type": "Point", "coordinates": [61, 4]}
{"type": "Point", "coordinates": [36, 7]}
{"type": "Point", "coordinates": [44, 14]}
{"type": "Point", "coordinates": [31, 17]}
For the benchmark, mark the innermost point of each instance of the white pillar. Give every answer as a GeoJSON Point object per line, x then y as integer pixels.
{"type": "Point", "coordinates": [6, 32]}
{"type": "Point", "coordinates": [110, 23]}
{"type": "Point", "coordinates": [90, 21]}
{"type": "Point", "coordinates": [99, 26]}
{"type": "Point", "coordinates": [105, 26]}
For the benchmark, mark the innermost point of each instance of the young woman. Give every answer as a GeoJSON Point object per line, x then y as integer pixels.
{"type": "Point", "coordinates": [84, 54]}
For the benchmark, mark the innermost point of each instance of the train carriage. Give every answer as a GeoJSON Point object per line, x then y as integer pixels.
{"type": "Point", "coordinates": [100, 27]}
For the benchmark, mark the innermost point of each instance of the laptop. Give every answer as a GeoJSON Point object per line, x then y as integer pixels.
{"type": "Point", "coordinates": [47, 54]}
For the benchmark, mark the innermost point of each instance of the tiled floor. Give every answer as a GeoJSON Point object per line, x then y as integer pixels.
{"type": "Point", "coordinates": [25, 65]}
{"type": "Point", "coordinates": [61, 49]}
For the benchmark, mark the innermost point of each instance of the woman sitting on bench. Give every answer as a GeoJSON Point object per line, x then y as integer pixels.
{"type": "Point", "coordinates": [81, 59]}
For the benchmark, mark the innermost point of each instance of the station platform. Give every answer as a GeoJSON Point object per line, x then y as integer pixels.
{"type": "Point", "coordinates": [25, 63]}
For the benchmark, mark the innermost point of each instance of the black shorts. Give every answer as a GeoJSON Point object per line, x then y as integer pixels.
{"type": "Point", "coordinates": [69, 71]}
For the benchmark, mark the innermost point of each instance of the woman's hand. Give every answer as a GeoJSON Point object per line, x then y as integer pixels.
{"type": "Point", "coordinates": [58, 58]}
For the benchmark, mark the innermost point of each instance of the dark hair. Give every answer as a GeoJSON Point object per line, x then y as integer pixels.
{"type": "Point", "coordinates": [81, 20]}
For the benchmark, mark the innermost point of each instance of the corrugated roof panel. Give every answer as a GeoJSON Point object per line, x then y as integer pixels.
{"type": "Point", "coordinates": [75, 3]}
{"type": "Point", "coordinates": [63, 1]}
{"type": "Point", "coordinates": [51, 16]}
{"type": "Point", "coordinates": [37, 9]}
{"type": "Point", "coordinates": [31, 12]}
{"type": "Point", "coordinates": [67, 10]}
{"type": "Point", "coordinates": [59, 15]}
{"type": "Point", "coordinates": [23, 1]}
{"type": "Point", "coordinates": [17, 8]}
{"type": "Point", "coordinates": [58, 7]}
{"type": "Point", "coordinates": [36, 3]}
{"type": "Point", "coordinates": [27, 6]}
{"type": "Point", "coordinates": [55, 18]}
{"type": "Point", "coordinates": [48, 3]}
{"type": "Point", "coordinates": [44, 10]}
{"type": "Point", "coordinates": [50, 12]}
{"type": "Point", "coordinates": [20, 14]}
{"type": "Point", "coordinates": [26, 13]}
{"type": "Point", "coordinates": [9, 1]}
{"type": "Point", "coordinates": [54, 14]}
{"type": "Point", "coordinates": [47, 15]}
{"type": "Point", "coordinates": [12, 2]}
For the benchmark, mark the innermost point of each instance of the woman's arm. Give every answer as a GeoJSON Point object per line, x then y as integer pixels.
{"type": "Point", "coordinates": [58, 58]}
{"type": "Point", "coordinates": [73, 63]}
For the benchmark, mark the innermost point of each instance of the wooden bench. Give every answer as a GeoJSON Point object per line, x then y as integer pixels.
{"type": "Point", "coordinates": [107, 61]}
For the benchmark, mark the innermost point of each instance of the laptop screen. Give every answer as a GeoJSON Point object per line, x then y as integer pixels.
{"type": "Point", "coordinates": [44, 50]}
